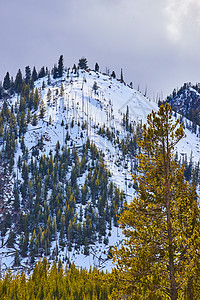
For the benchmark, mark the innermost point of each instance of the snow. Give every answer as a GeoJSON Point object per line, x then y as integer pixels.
{"type": "Point", "coordinates": [80, 104]}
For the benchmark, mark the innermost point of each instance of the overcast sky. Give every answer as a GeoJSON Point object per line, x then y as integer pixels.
{"type": "Point", "coordinates": [155, 42]}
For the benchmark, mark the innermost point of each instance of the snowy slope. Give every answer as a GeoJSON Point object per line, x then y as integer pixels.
{"type": "Point", "coordinates": [77, 102]}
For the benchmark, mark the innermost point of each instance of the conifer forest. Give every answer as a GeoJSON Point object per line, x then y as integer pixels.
{"type": "Point", "coordinates": [99, 188]}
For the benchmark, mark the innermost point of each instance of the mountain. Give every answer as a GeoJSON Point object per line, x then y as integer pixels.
{"type": "Point", "coordinates": [68, 150]}
{"type": "Point", "coordinates": [186, 101]}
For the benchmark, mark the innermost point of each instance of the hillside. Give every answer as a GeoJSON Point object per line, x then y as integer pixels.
{"type": "Point", "coordinates": [68, 149]}
{"type": "Point", "coordinates": [186, 101]}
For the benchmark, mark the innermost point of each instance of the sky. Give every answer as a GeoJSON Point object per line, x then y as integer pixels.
{"type": "Point", "coordinates": [155, 42]}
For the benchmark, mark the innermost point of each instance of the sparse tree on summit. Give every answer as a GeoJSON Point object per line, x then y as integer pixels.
{"type": "Point", "coordinates": [60, 66]}
{"type": "Point", "coordinates": [96, 67]}
{"type": "Point", "coordinates": [83, 63]}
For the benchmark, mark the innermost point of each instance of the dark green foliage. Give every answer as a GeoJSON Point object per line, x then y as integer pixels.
{"type": "Point", "coordinates": [83, 63]}
{"type": "Point", "coordinates": [113, 75]}
{"type": "Point", "coordinates": [42, 109]}
{"type": "Point", "coordinates": [74, 69]}
{"type": "Point", "coordinates": [55, 283]}
{"type": "Point", "coordinates": [34, 74]}
{"type": "Point", "coordinates": [46, 175]}
{"type": "Point", "coordinates": [17, 259]}
{"type": "Point", "coordinates": [47, 187]}
{"type": "Point", "coordinates": [55, 72]}
{"type": "Point", "coordinates": [60, 66]}
{"type": "Point", "coordinates": [1, 90]}
{"type": "Point", "coordinates": [18, 82]}
{"type": "Point", "coordinates": [36, 99]}
{"type": "Point", "coordinates": [96, 67]}
{"type": "Point", "coordinates": [122, 77]}
{"type": "Point", "coordinates": [42, 73]}
{"type": "Point", "coordinates": [11, 239]}
{"type": "Point", "coordinates": [6, 82]}
{"type": "Point", "coordinates": [27, 74]}
{"type": "Point", "coordinates": [185, 101]}
{"type": "Point", "coordinates": [95, 87]}
{"type": "Point", "coordinates": [34, 122]}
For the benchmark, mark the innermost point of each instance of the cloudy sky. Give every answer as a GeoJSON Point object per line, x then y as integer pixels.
{"type": "Point", "coordinates": [155, 42]}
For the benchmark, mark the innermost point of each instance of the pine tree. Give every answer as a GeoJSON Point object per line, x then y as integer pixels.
{"type": "Point", "coordinates": [95, 87]}
{"type": "Point", "coordinates": [1, 90]}
{"type": "Point", "coordinates": [36, 99]}
{"type": "Point", "coordinates": [34, 121]}
{"type": "Point", "coordinates": [83, 63]}
{"type": "Point", "coordinates": [42, 73]}
{"type": "Point", "coordinates": [61, 90]}
{"type": "Point", "coordinates": [6, 82]}
{"type": "Point", "coordinates": [60, 66]}
{"type": "Point", "coordinates": [49, 79]}
{"type": "Point", "coordinates": [113, 74]}
{"type": "Point", "coordinates": [27, 74]}
{"type": "Point", "coordinates": [18, 82]}
{"type": "Point", "coordinates": [55, 72]}
{"type": "Point", "coordinates": [34, 74]}
{"type": "Point", "coordinates": [11, 239]}
{"type": "Point", "coordinates": [17, 259]}
{"type": "Point", "coordinates": [122, 77]}
{"type": "Point", "coordinates": [159, 258]}
{"type": "Point", "coordinates": [96, 67]}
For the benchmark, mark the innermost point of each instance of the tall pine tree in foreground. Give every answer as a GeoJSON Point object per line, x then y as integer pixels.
{"type": "Point", "coordinates": [161, 251]}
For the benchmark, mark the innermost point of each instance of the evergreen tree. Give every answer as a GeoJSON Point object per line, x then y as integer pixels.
{"type": "Point", "coordinates": [27, 74]}
{"type": "Point", "coordinates": [34, 74]}
{"type": "Point", "coordinates": [113, 75]}
{"type": "Point", "coordinates": [17, 259]}
{"type": "Point", "coordinates": [41, 73]}
{"type": "Point", "coordinates": [34, 121]}
{"type": "Point", "coordinates": [11, 239]}
{"type": "Point", "coordinates": [159, 258]}
{"type": "Point", "coordinates": [122, 77]}
{"type": "Point", "coordinates": [95, 87]}
{"type": "Point", "coordinates": [74, 69]}
{"type": "Point", "coordinates": [61, 90]}
{"type": "Point", "coordinates": [1, 90]}
{"type": "Point", "coordinates": [49, 79]}
{"type": "Point", "coordinates": [60, 66]}
{"type": "Point", "coordinates": [49, 95]}
{"type": "Point", "coordinates": [55, 72]}
{"type": "Point", "coordinates": [96, 67]}
{"type": "Point", "coordinates": [127, 117]}
{"type": "Point", "coordinates": [83, 63]}
{"type": "Point", "coordinates": [36, 99]}
{"type": "Point", "coordinates": [6, 82]}
{"type": "Point", "coordinates": [18, 82]}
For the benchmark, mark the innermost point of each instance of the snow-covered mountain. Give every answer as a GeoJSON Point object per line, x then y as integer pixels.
{"type": "Point", "coordinates": [186, 101]}
{"type": "Point", "coordinates": [68, 193]}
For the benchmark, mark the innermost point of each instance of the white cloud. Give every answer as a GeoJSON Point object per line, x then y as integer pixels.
{"type": "Point", "coordinates": [183, 19]}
